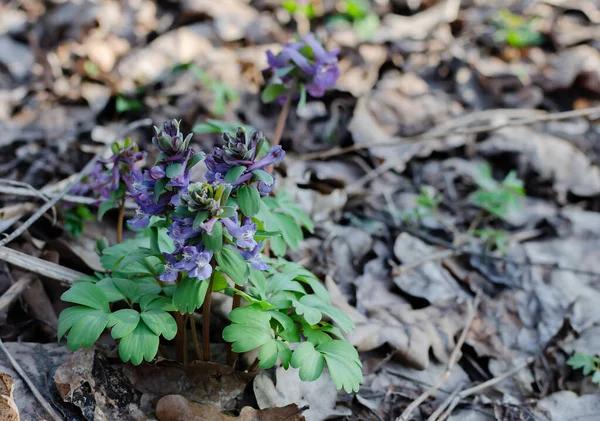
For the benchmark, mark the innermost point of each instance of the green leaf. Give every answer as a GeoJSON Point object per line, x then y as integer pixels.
{"type": "Point", "coordinates": [214, 241]}
{"type": "Point", "coordinates": [268, 354]}
{"type": "Point", "coordinates": [302, 101]}
{"type": "Point", "coordinates": [233, 264]}
{"type": "Point", "coordinates": [173, 170]}
{"type": "Point", "coordinates": [263, 176]}
{"type": "Point", "coordinates": [87, 329]}
{"type": "Point", "coordinates": [86, 294]}
{"type": "Point", "coordinates": [249, 329]}
{"type": "Point", "coordinates": [127, 287]}
{"type": "Point", "coordinates": [105, 207]}
{"type": "Point", "coordinates": [596, 377]}
{"type": "Point", "coordinates": [309, 361]}
{"type": "Point", "coordinates": [249, 200]}
{"type": "Point", "coordinates": [292, 234]}
{"type": "Point", "coordinates": [69, 316]}
{"type": "Point", "coordinates": [311, 315]}
{"type": "Point", "coordinates": [125, 104]}
{"type": "Point", "coordinates": [219, 281]}
{"type": "Point", "coordinates": [190, 294]}
{"type": "Point", "coordinates": [284, 320]}
{"type": "Point", "coordinates": [278, 246]}
{"type": "Point", "coordinates": [337, 315]}
{"type": "Point", "coordinates": [284, 353]}
{"type": "Point", "coordinates": [195, 159]}
{"type": "Point", "coordinates": [199, 219]}
{"type": "Point", "coordinates": [110, 290]}
{"type": "Point", "coordinates": [234, 173]}
{"type": "Point", "coordinates": [272, 92]}
{"type": "Point", "coordinates": [139, 345]}
{"type": "Point", "coordinates": [586, 362]}
{"type": "Point", "coordinates": [123, 322]}
{"type": "Point", "coordinates": [157, 302]}
{"type": "Point", "coordinates": [343, 363]}
{"type": "Point", "coordinates": [159, 187]}
{"type": "Point", "coordinates": [161, 323]}
{"type": "Point", "coordinates": [134, 256]}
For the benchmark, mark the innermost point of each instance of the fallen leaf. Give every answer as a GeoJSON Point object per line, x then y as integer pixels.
{"type": "Point", "coordinates": [389, 319]}
{"type": "Point", "coordinates": [178, 408]}
{"type": "Point", "coordinates": [88, 381]}
{"type": "Point", "coordinates": [206, 382]}
{"type": "Point", "coordinates": [8, 407]}
{"type": "Point", "coordinates": [319, 396]}
{"type": "Point", "coordinates": [16, 57]}
{"type": "Point", "coordinates": [428, 280]}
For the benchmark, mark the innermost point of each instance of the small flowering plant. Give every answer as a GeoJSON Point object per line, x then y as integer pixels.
{"type": "Point", "coordinates": [301, 67]}
{"type": "Point", "coordinates": [196, 238]}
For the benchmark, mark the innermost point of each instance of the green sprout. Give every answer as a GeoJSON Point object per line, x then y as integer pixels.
{"type": "Point", "coordinates": [516, 31]}
{"type": "Point", "coordinates": [588, 364]}
{"type": "Point", "coordinates": [75, 219]}
{"type": "Point", "coordinates": [497, 198]}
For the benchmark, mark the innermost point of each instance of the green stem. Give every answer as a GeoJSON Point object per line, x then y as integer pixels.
{"type": "Point", "coordinates": [237, 300]}
{"type": "Point", "coordinates": [253, 367]}
{"type": "Point", "coordinates": [195, 337]}
{"type": "Point", "coordinates": [120, 221]}
{"type": "Point", "coordinates": [206, 316]}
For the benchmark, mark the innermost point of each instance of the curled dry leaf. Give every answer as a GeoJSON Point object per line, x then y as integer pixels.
{"type": "Point", "coordinates": [178, 408]}
{"type": "Point", "coordinates": [8, 407]}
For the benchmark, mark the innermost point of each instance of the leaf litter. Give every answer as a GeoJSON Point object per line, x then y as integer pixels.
{"type": "Point", "coordinates": [435, 91]}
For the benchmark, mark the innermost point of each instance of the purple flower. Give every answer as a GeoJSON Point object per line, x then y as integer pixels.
{"type": "Point", "coordinates": [170, 272]}
{"type": "Point", "coordinates": [157, 172]}
{"type": "Point", "coordinates": [182, 229]}
{"type": "Point", "coordinates": [201, 268]}
{"type": "Point", "coordinates": [275, 155]}
{"type": "Point", "coordinates": [318, 71]}
{"type": "Point", "coordinates": [243, 235]}
{"type": "Point", "coordinates": [170, 140]}
{"type": "Point", "coordinates": [254, 257]}
{"type": "Point", "coordinates": [140, 220]}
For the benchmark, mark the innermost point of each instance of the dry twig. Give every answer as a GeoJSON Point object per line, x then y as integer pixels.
{"type": "Point", "coordinates": [454, 357]}
{"type": "Point", "coordinates": [15, 291]}
{"type": "Point", "coordinates": [436, 134]}
{"type": "Point", "coordinates": [49, 410]}
{"type": "Point", "coordinates": [39, 266]}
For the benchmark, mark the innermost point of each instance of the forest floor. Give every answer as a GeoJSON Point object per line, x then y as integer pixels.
{"type": "Point", "coordinates": [452, 175]}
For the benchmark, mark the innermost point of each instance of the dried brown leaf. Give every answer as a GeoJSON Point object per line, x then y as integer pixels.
{"type": "Point", "coordinates": [178, 408]}
{"type": "Point", "coordinates": [8, 406]}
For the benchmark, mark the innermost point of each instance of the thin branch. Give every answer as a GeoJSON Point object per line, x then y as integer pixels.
{"type": "Point", "coordinates": [85, 171]}
{"type": "Point", "coordinates": [475, 389]}
{"type": "Point", "coordinates": [39, 266]}
{"type": "Point", "coordinates": [447, 401]}
{"type": "Point", "coordinates": [454, 357]}
{"type": "Point", "coordinates": [20, 191]}
{"type": "Point", "coordinates": [120, 219]}
{"type": "Point", "coordinates": [49, 410]}
{"type": "Point", "coordinates": [407, 267]}
{"type": "Point", "coordinates": [436, 134]}
{"type": "Point", "coordinates": [15, 290]}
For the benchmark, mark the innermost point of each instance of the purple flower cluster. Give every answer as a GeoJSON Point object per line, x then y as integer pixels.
{"type": "Point", "coordinates": [307, 62]}
{"type": "Point", "coordinates": [242, 151]}
{"type": "Point", "coordinates": [193, 210]}
{"type": "Point", "coordinates": [156, 191]}
{"type": "Point", "coordinates": [108, 175]}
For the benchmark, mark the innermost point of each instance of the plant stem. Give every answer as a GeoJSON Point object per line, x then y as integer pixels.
{"type": "Point", "coordinates": [195, 336]}
{"type": "Point", "coordinates": [281, 123]}
{"type": "Point", "coordinates": [206, 317]}
{"type": "Point", "coordinates": [252, 368]}
{"type": "Point", "coordinates": [180, 339]}
{"type": "Point", "coordinates": [120, 221]}
{"type": "Point", "coordinates": [237, 300]}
